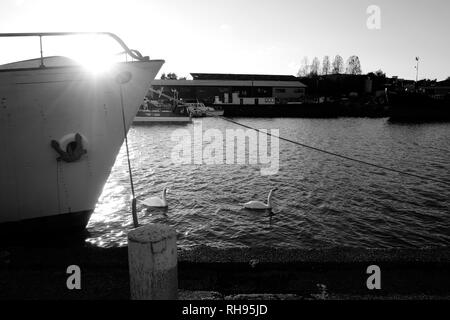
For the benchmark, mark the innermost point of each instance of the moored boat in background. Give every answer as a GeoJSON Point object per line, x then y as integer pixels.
{"type": "Point", "coordinates": [199, 109]}
{"type": "Point", "coordinates": [418, 107]}
{"type": "Point", "coordinates": [153, 111]}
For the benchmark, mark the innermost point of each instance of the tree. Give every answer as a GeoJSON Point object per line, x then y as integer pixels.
{"type": "Point", "coordinates": [304, 68]}
{"type": "Point", "coordinates": [172, 76]}
{"type": "Point", "coordinates": [353, 65]}
{"type": "Point", "coordinates": [338, 65]}
{"type": "Point", "coordinates": [163, 76]}
{"type": "Point", "coordinates": [380, 73]}
{"type": "Point", "coordinates": [315, 67]}
{"type": "Point", "coordinates": [326, 65]}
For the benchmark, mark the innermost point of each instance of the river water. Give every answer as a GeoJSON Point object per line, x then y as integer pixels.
{"type": "Point", "coordinates": [321, 201]}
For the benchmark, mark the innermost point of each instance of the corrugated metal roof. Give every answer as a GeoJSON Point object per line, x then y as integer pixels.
{"type": "Point", "coordinates": [243, 77]}
{"type": "Point", "coordinates": [229, 83]}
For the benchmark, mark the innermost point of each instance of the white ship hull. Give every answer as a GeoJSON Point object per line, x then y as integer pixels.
{"type": "Point", "coordinates": [38, 105]}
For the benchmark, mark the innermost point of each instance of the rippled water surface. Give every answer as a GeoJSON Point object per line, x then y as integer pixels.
{"type": "Point", "coordinates": [321, 201]}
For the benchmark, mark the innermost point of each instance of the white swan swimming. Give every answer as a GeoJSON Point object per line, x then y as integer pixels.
{"type": "Point", "coordinates": [157, 202]}
{"type": "Point", "coordinates": [258, 205]}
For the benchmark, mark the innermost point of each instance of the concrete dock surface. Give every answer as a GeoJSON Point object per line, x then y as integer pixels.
{"type": "Point", "coordinates": [232, 274]}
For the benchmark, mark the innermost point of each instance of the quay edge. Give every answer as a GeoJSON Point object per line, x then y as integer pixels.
{"type": "Point", "coordinates": [237, 271]}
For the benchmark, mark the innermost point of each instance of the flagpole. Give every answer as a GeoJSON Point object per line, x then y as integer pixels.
{"type": "Point", "coordinates": [417, 69]}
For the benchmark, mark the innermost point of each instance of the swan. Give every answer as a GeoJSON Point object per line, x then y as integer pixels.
{"type": "Point", "coordinates": [258, 205]}
{"type": "Point", "coordinates": [157, 202]}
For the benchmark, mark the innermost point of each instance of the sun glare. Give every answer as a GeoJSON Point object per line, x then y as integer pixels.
{"type": "Point", "coordinates": [96, 53]}
{"type": "Point", "coordinates": [96, 65]}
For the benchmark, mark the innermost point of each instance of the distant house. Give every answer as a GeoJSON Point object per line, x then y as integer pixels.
{"type": "Point", "coordinates": [396, 83]}
{"type": "Point", "coordinates": [436, 88]}
{"type": "Point", "coordinates": [443, 87]}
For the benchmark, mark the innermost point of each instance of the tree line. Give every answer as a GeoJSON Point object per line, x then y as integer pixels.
{"type": "Point", "coordinates": [337, 66]}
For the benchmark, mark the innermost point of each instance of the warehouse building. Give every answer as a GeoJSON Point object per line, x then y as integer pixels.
{"type": "Point", "coordinates": [205, 87]}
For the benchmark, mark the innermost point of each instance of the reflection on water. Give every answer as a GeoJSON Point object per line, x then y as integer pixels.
{"type": "Point", "coordinates": [321, 201]}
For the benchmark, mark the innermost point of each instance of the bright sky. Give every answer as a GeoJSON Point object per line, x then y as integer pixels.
{"type": "Point", "coordinates": [250, 36]}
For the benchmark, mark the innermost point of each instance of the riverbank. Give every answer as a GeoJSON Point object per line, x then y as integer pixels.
{"type": "Point", "coordinates": [206, 273]}
{"type": "Point", "coordinates": [350, 108]}
{"type": "Point", "coordinates": [406, 109]}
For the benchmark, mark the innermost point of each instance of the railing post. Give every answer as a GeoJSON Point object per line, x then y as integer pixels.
{"type": "Point", "coordinates": [42, 52]}
{"type": "Point", "coordinates": [152, 259]}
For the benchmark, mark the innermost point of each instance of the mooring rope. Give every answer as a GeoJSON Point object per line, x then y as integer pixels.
{"type": "Point", "coordinates": [318, 149]}
{"type": "Point", "coordinates": [335, 154]}
{"type": "Point", "coordinates": [133, 202]}
{"type": "Point", "coordinates": [57, 187]}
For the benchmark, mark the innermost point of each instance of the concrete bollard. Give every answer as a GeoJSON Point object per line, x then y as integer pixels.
{"type": "Point", "coordinates": [152, 259]}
